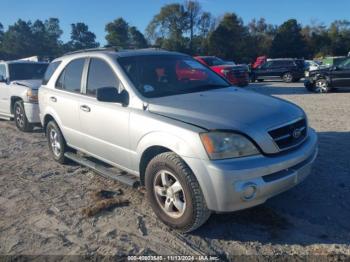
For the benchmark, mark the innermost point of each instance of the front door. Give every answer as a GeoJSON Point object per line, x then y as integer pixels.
{"type": "Point", "coordinates": [341, 74]}
{"type": "Point", "coordinates": [264, 71]}
{"type": "Point", "coordinates": [105, 126]}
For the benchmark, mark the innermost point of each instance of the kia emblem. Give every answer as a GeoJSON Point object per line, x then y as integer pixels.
{"type": "Point", "coordinates": [296, 133]}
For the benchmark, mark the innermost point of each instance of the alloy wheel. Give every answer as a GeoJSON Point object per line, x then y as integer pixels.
{"type": "Point", "coordinates": [169, 194]}
{"type": "Point", "coordinates": [288, 77]}
{"type": "Point", "coordinates": [20, 117]}
{"type": "Point", "coordinates": [321, 86]}
{"type": "Point", "coordinates": [55, 142]}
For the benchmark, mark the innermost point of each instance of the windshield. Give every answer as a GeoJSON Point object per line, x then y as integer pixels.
{"type": "Point", "coordinates": [165, 75]}
{"type": "Point", "coordinates": [26, 71]}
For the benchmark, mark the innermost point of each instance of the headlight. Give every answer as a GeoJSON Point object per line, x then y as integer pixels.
{"type": "Point", "coordinates": [32, 96]}
{"type": "Point", "coordinates": [307, 73]}
{"type": "Point", "coordinates": [222, 145]}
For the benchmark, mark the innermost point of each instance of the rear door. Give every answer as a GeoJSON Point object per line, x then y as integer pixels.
{"type": "Point", "coordinates": [64, 100]}
{"type": "Point", "coordinates": [105, 126]}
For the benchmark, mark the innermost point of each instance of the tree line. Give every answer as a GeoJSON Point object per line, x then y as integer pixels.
{"type": "Point", "coordinates": [184, 27]}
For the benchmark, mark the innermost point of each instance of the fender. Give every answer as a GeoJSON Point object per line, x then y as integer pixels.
{"type": "Point", "coordinates": [190, 153]}
{"type": "Point", "coordinates": [163, 139]}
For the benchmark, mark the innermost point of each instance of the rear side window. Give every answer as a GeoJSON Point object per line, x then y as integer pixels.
{"type": "Point", "coordinates": [70, 78]}
{"type": "Point", "coordinates": [100, 75]}
{"type": "Point", "coordinates": [49, 71]}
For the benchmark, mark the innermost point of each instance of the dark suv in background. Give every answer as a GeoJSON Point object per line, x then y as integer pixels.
{"type": "Point", "coordinates": [287, 69]}
{"type": "Point", "coordinates": [326, 79]}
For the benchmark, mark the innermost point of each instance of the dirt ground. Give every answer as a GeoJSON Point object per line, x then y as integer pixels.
{"type": "Point", "coordinates": [42, 202]}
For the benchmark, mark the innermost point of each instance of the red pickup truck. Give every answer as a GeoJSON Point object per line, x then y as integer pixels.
{"type": "Point", "coordinates": [235, 74]}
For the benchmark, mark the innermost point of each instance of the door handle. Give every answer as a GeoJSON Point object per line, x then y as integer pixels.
{"type": "Point", "coordinates": [85, 108]}
{"type": "Point", "coordinates": [53, 99]}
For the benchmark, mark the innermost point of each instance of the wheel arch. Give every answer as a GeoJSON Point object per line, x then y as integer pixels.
{"type": "Point", "coordinates": [159, 142]}
{"type": "Point", "coordinates": [14, 99]}
{"type": "Point", "coordinates": [147, 156]}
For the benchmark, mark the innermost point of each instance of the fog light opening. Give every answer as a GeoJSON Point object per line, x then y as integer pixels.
{"type": "Point", "coordinates": [249, 191]}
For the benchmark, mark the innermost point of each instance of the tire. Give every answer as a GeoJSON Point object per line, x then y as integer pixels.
{"type": "Point", "coordinates": [288, 77]}
{"type": "Point", "coordinates": [57, 143]}
{"type": "Point", "coordinates": [21, 118]}
{"type": "Point", "coordinates": [321, 86]}
{"type": "Point", "coordinates": [162, 173]}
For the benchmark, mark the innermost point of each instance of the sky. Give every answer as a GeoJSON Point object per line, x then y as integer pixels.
{"type": "Point", "coordinates": [96, 14]}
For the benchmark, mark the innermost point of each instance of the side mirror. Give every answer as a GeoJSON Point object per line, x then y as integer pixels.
{"type": "Point", "coordinates": [336, 68]}
{"type": "Point", "coordinates": [111, 95]}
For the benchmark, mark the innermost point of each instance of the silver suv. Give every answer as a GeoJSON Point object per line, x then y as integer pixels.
{"type": "Point", "coordinates": [196, 143]}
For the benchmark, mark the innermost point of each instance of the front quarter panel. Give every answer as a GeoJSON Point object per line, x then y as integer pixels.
{"type": "Point", "coordinates": [148, 129]}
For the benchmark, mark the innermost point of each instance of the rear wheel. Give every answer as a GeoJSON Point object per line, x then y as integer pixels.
{"type": "Point", "coordinates": [287, 77]}
{"type": "Point", "coordinates": [174, 193]}
{"type": "Point", "coordinates": [21, 118]}
{"type": "Point", "coordinates": [56, 141]}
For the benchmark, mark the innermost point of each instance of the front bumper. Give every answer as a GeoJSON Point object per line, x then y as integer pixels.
{"type": "Point", "coordinates": [234, 184]}
{"type": "Point", "coordinates": [32, 112]}
{"type": "Point", "coordinates": [308, 82]}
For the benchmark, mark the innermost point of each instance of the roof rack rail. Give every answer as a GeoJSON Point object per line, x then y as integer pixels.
{"type": "Point", "coordinates": [113, 48]}
{"type": "Point", "coordinates": [92, 50]}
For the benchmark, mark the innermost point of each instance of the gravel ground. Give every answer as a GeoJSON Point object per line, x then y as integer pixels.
{"type": "Point", "coordinates": [42, 203]}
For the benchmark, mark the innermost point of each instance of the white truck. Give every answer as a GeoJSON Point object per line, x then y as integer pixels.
{"type": "Point", "coordinates": [19, 84]}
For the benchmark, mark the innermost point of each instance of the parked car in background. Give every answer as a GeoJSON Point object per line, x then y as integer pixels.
{"type": "Point", "coordinates": [287, 69]}
{"type": "Point", "coordinates": [324, 80]}
{"type": "Point", "coordinates": [311, 65]}
{"type": "Point", "coordinates": [19, 83]}
{"type": "Point", "coordinates": [235, 74]}
{"type": "Point", "coordinates": [197, 145]}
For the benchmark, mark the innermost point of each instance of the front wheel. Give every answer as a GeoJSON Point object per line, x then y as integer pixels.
{"type": "Point", "coordinates": [21, 118]}
{"type": "Point", "coordinates": [174, 193]}
{"type": "Point", "coordinates": [56, 141]}
{"type": "Point", "coordinates": [321, 86]}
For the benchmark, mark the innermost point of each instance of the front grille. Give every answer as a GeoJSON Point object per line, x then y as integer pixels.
{"type": "Point", "coordinates": [289, 135]}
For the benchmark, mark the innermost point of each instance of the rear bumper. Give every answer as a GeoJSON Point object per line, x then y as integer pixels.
{"type": "Point", "coordinates": [32, 112]}
{"type": "Point", "coordinates": [234, 184]}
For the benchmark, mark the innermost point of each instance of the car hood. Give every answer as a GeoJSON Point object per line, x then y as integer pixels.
{"type": "Point", "coordinates": [230, 109]}
{"type": "Point", "coordinates": [33, 84]}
